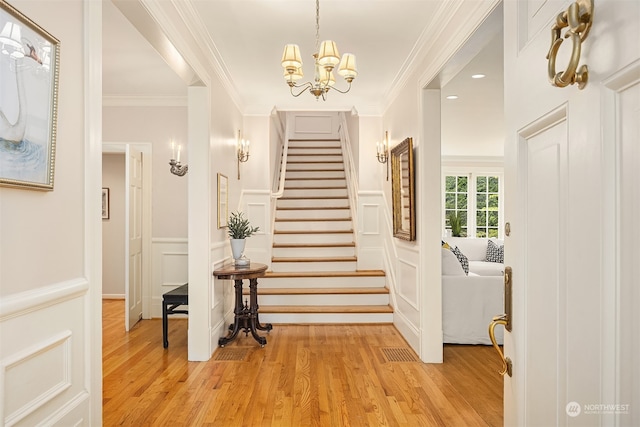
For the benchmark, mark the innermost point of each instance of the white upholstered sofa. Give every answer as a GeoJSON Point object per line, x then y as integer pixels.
{"type": "Point", "coordinates": [470, 301]}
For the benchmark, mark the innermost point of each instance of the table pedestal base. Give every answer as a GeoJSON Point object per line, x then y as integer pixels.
{"type": "Point", "coordinates": [246, 316]}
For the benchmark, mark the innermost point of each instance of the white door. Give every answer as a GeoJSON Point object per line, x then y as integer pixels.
{"type": "Point", "coordinates": [133, 230]}
{"type": "Point", "coordinates": [572, 198]}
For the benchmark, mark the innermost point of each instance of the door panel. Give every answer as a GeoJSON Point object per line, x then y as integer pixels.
{"type": "Point", "coordinates": [543, 284]}
{"type": "Point", "coordinates": [573, 345]}
{"type": "Point", "coordinates": [629, 236]}
{"type": "Point", "coordinates": [134, 235]}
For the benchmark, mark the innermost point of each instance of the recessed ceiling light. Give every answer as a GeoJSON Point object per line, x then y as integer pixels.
{"type": "Point", "coordinates": [478, 76]}
{"type": "Point", "coordinates": [452, 97]}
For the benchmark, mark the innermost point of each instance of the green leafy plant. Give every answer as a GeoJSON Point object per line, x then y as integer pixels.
{"type": "Point", "coordinates": [456, 224]}
{"type": "Point", "coordinates": [238, 226]}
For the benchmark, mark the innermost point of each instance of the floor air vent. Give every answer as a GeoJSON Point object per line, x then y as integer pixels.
{"type": "Point", "coordinates": [231, 354]}
{"type": "Point", "coordinates": [398, 354]}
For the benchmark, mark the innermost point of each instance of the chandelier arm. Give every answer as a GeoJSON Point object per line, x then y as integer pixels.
{"type": "Point", "coordinates": [304, 88]}
{"type": "Point", "coordinates": [341, 91]}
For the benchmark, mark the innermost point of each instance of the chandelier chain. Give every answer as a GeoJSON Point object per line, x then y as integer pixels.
{"type": "Point", "coordinates": [317, 25]}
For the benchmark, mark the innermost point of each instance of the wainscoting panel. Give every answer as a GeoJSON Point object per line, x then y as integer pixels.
{"type": "Point", "coordinates": [408, 282]}
{"type": "Point", "coordinates": [170, 269]}
{"type": "Point", "coordinates": [42, 356]}
{"type": "Point", "coordinates": [371, 219]}
{"type": "Point", "coordinates": [314, 125]}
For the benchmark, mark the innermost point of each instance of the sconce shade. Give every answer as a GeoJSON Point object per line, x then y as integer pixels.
{"type": "Point", "coordinates": [291, 58]}
{"type": "Point", "coordinates": [348, 68]}
{"type": "Point", "coordinates": [328, 55]}
{"type": "Point", "coordinates": [326, 77]}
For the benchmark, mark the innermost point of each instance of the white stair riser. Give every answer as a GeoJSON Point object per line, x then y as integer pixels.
{"type": "Point", "coordinates": [313, 225]}
{"type": "Point", "coordinates": [324, 157]}
{"type": "Point", "coordinates": [314, 174]}
{"type": "Point", "coordinates": [310, 152]}
{"type": "Point", "coordinates": [334, 299]}
{"type": "Point", "coordinates": [313, 266]}
{"type": "Point", "coordinates": [292, 167]}
{"type": "Point", "coordinates": [322, 282]}
{"type": "Point", "coordinates": [302, 318]}
{"type": "Point", "coordinates": [292, 183]}
{"type": "Point", "coordinates": [318, 192]}
{"type": "Point", "coordinates": [314, 214]}
{"type": "Point", "coordinates": [315, 144]}
{"type": "Point", "coordinates": [313, 238]}
{"type": "Point", "coordinates": [304, 203]}
{"type": "Point", "coordinates": [314, 252]}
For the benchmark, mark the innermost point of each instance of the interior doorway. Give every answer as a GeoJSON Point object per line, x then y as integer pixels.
{"type": "Point", "coordinates": [467, 119]}
{"type": "Point", "coordinates": [132, 242]}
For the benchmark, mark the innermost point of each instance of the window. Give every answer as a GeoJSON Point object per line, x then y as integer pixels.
{"type": "Point", "coordinates": [475, 197]}
{"type": "Point", "coordinates": [487, 205]}
{"type": "Point", "coordinates": [456, 200]}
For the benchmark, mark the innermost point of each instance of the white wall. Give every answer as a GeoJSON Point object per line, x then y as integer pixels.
{"type": "Point", "coordinates": [46, 276]}
{"type": "Point", "coordinates": [157, 125]}
{"type": "Point", "coordinates": [113, 232]}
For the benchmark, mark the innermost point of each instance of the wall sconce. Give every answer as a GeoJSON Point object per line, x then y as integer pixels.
{"type": "Point", "coordinates": [382, 151]}
{"type": "Point", "coordinates": [242, 151]}
{"type": "Point", "coordinates": [176, 167]}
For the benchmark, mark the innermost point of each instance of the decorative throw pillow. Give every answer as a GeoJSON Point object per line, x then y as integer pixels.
{"type": "Point", "coordinates": [464, 261]}
{"type": "Point", "coordinates": [495, 252]}
{"type": "Point", "coordinates": [445, 245]}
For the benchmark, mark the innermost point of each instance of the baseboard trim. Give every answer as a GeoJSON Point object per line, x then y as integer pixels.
{"type": "Point", "coordinates": [113, 296]}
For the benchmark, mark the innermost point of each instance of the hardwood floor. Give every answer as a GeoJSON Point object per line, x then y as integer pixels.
{"type": "Point", "coordinates": [307, 375]}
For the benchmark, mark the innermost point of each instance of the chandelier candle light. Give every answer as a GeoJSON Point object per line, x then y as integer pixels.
{"type": "Point", "coordinates": [325, 60]}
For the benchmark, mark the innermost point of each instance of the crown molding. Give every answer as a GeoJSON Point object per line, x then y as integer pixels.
{"type": "Point", "coordinates": [198, 31]}
{"type": "Point", "coordinates": [454, 22]}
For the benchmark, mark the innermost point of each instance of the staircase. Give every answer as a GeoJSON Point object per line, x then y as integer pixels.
{"type": "Point", "coordinates": [313, 277]}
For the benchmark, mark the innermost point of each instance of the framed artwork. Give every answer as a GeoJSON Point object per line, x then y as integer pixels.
{"type": "Point", "coordinates": [105, 203]}
{"type": "Point", "coordinates": [29, 62]}
{"type": "Point", "coordinates": [223, 200]}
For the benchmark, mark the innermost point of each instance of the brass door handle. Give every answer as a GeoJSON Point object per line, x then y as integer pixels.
{"type": "Point", "coordinates": [507, 366]}
{"type": "Point", "coordinates": [504, 320]}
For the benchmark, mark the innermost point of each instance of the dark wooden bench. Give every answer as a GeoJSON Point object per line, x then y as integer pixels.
{"type": "Point", "coordinates": [170, 302]}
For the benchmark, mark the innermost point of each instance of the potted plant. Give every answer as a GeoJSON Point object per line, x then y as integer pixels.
{"type": "Point", "coordinates": [238, 229]}
{"type": "Point", "coordinates": [456, 224]}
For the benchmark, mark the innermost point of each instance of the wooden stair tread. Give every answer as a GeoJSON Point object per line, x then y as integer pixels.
{"type": "Point", "coordinates": [325, 309]}
{"type": "Point", "coordinates": [317, 179]}
{"type": "Point", "coordinates": [315, 259]}
{"type": "Point", "coordinates": [307, 274]}
{"type": "Point", "coordinates": [316, 188]}
{"type": "Point", "coordinates": [311, 219]}
{"type": "Point", "coordinates": [314, 140]}
{"type": "Point", "coordinates": [314, 245]}
{"type": "Point", "coordinates": [314, 198]}
{"type": "Point", "coordinates": [313, 231]}
{"type": "Point", "coordinates": [315, 154]}
{"type": "Point", "coordinates": [318, 291]}
{"type": "Point", "coordinates": [307, 208]}
{"type": "Point", "coordinates": [309, 162]}
{"type": "Point", "coordinates": [314, 170]}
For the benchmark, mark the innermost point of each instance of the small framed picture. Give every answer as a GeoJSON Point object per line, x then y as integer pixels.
{"type": "Point", "coordinates": [105, 203]}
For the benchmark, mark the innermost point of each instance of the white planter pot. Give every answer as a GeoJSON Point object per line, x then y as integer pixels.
{"type": "Point", "coordinates": [237, 247]}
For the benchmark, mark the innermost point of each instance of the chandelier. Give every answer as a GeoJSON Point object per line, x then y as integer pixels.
{"type": "Point", "coordinates": [325, 60]}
